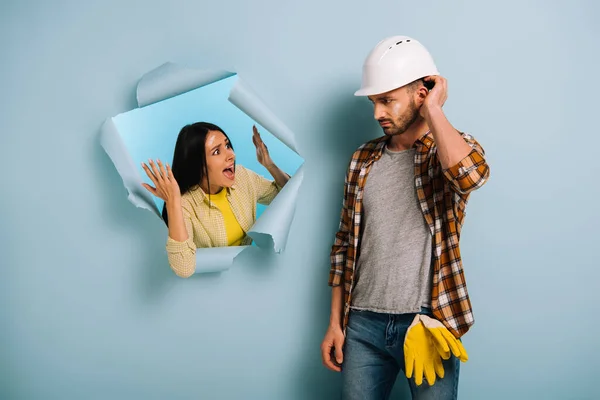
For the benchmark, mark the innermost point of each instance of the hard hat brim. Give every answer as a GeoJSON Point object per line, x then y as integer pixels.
{"type": "Point", "coordinates": [375, 90]}
{"type": "Point", "coordinates": [369, 91]}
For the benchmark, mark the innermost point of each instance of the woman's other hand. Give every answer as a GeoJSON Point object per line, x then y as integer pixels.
{"type": "Point", "coordinates": [165, 185]}
{"type": "Point", "coordinates": [262, 152]}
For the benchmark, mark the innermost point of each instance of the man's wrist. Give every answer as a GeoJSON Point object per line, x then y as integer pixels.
{"type": "Point", "coordinates": [433, 112]}
{"type": "Point", "coordinates": [335, 325]}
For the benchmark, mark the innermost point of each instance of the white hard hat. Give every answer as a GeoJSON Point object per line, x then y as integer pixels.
{"type": "Point", "coordinates": [393, 63]}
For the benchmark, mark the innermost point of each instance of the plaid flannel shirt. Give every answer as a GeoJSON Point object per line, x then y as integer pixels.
{"type": "Point", "coordinates": [443, 196]}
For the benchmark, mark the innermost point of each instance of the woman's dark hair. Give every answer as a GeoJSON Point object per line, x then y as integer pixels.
{"type": "Point", "coordinates": [189, 159]}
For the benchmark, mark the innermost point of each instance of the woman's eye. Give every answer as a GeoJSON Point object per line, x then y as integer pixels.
{"type": "Point", "coordinates": [216, 153]}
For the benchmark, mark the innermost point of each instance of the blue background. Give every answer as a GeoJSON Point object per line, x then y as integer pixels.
{"type": "Point", "coordinates": [151, 131]}
{"type": "Point", "coordinates": [90, 308]}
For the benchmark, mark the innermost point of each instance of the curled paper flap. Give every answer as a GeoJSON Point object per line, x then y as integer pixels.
{"type": "Point", "coordinates": [216, 259]}
{"type": "Point", "coordinates": [220, 95]}
{"type": "Point", "coordinates": [111, 141]}
{"type": "Point", "coordinates": [273, 227]}
{"type": "Point", "coordinates": [170, 80]}
{"type": "Point", "coordinates": [246, 100]}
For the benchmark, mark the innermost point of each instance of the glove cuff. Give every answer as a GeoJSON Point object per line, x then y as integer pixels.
{"type": "Point", "coordinates": [429, 322]}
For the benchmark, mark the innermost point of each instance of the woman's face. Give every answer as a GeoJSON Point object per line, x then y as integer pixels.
{"type": "Point", "coordinates": [220, 161]}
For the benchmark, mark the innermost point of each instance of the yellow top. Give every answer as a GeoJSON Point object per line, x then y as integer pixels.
{"type": "Point", "coordinates": [206, 223]}
{"type": "Point", "coordinates": [235, 233]}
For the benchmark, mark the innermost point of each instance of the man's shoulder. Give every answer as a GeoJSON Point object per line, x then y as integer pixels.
{"type": "Point", "coordinates": [370, 146]}
{"type": "Point", "coordinates": [365, 152]}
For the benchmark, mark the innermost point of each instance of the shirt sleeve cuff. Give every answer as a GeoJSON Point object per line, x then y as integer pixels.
{"type": "Point", "coordinates": [335, 279]}
{"type": "Point", "coordinates": [464, 166]}
{"type": "Point", "coordinates": [174, 246]}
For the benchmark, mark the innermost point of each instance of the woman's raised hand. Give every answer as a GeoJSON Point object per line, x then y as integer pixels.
{"type": "Point", "coordinates": [165, 185]}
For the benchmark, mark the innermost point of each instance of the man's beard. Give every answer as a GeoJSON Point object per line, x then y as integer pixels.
{"type": "Point", "coordinates": [404, 122]}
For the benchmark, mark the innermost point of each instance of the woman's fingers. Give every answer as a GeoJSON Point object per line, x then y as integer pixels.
{"type": "Point", "coordinates": [254, 136]}
{"type": "Point", "coordinates": [149, 173]}
{"type": "Point", "coordinates": [257, 140]}
{"type": "Point", "coordinates": [163, 171]}
{"type": "Point", "coordinates": [169, 172]}
{"type": "Point", "coordinates": [159, 175]}
{"type": "Point", "coordinates": [154, 170]}
{"type": "Point", "coordinates": [150, 189]}
{"type": "Point", "coordinates": [157, 172]}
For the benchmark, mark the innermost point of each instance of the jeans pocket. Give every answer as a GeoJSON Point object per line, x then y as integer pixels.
{"type": "Point", "coordinates": [427, 311]}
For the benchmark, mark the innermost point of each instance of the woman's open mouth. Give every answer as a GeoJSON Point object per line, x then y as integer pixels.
{"type": "Point", "coordinates": [229, 172]}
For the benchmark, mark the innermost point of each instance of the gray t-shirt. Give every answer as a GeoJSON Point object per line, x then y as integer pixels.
{"type": "Point", "coordinates": [394, 266]}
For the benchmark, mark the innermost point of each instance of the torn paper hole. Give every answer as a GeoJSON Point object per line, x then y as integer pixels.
{"type": "Point", "coordinates": [172, 96]}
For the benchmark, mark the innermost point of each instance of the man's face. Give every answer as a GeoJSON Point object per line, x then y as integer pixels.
{"type": "Point", "coordinates": [395, 110]}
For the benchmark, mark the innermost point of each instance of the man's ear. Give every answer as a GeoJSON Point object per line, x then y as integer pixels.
{"type": "Point", "coordinates": [420, 95]}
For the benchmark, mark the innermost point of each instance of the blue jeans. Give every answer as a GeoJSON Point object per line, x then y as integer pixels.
{"type": "Point", "coordinates": [374, 355]}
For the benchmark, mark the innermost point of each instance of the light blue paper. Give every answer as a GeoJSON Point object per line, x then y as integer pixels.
{"type": "Point", "coordinates": [111, 141]}
{"type": "Point", "coordinates": [216, 259]}
{"type": "Point", "coordinates": [277, 218]}
{"type": "Point", "coordinates": [246, 100]}
{"type": "Point", "coordinates": [172, 96]}
{"type": "Point", "coordinates": [170, 80]}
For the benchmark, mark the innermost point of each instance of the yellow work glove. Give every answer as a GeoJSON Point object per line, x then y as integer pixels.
{"type": "Point", "coordinates": [444, 340]}
{"type": "Point", "coordinates": [420, 354]}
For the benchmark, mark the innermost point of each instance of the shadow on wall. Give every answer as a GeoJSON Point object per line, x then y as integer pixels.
{"type": "Point", "coordinates": [344, 124]}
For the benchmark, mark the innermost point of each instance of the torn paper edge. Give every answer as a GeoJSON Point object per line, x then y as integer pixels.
{"type": "Point", "coordinates": [219, 258]}
{"type": "Point", "coordinates": [170, 80]}
{"type": "Point", "coordinates": [113, 145]}
{"type": "Point", "coordinates": [276, 220]}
